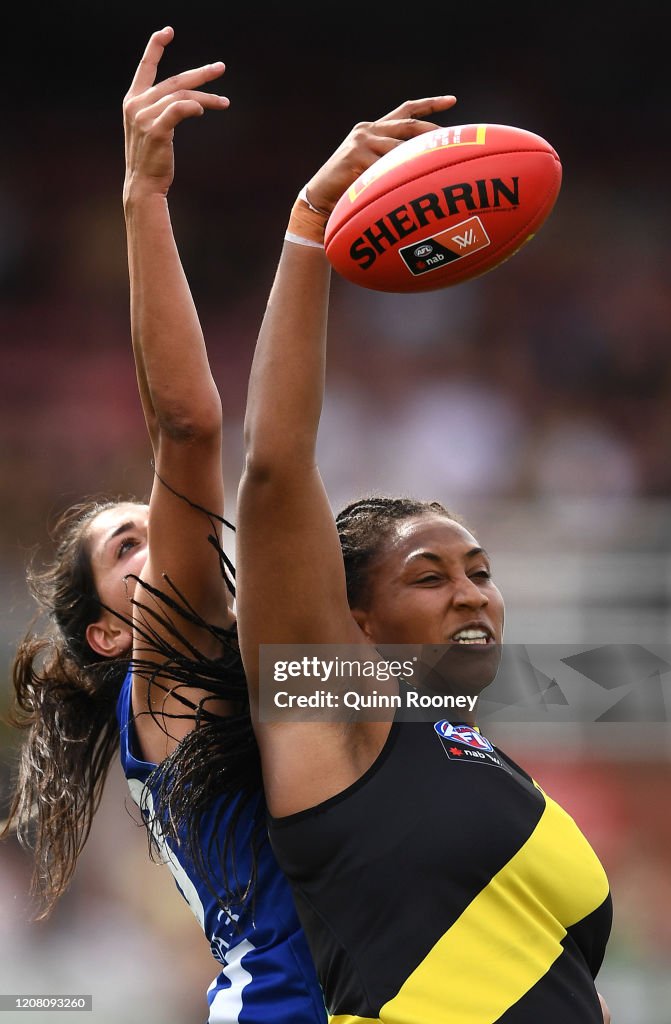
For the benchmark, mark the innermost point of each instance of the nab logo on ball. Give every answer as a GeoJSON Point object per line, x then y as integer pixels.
{"type": "Point", "coordinates": [446, 247]}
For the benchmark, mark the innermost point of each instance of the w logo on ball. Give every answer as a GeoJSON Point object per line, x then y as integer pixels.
{"type": "Point", "coordinates": [438, 250]}
{"type": "Point", "coordinates": [470, 235]}
{"type": "Point", "coordinates": [463, 241]}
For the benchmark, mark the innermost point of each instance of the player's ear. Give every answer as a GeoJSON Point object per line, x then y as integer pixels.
{"type": "Point", "coordinates": [108, 637]}
{"type": "Point", "coordinates": [362, 619]}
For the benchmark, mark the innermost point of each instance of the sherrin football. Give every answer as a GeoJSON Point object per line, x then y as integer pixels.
{"type": "Point", "coordinates": [444, 207]}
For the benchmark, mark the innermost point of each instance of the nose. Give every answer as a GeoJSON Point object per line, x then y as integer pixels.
{"type": "Point", "coordinates": [467, 594]}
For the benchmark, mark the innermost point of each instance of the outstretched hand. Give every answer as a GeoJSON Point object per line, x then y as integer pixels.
{"type": "Point", "coordinates": [367, 142]}
{"type": "Point", "coordinates": [152, 111]}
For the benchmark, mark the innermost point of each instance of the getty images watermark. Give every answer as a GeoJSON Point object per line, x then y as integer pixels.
{"type": "Point", "coordinates": [508, 682]}
{"type": "Point", "coordinates": [343, 673]}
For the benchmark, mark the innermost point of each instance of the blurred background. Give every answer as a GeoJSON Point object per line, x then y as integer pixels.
{"type": "Point", "coordinates": [536, 401]}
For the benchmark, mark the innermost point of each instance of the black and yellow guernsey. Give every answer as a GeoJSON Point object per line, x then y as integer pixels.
{"type": "Point", "coordinates": [445, 887]}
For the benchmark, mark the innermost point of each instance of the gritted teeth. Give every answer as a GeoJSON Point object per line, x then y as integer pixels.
{"type": "Point", "coordinates": [470, 636]}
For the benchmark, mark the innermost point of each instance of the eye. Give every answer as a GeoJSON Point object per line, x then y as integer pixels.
{"type": "Point", "coordinates": [126, 545]}
{"type": "Point", "coordinates": [481, 574]}
{"type": "Point", "coordinates": [430, 577]}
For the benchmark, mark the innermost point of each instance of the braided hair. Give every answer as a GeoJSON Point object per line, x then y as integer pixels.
{"type": "Point", "coordinates": [216, 766]}
{"type": "Point", "coordinates": [362, 527]}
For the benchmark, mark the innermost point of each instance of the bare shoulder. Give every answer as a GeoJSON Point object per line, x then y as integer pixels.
{"type": "Point", "coordinates": [306, 763]}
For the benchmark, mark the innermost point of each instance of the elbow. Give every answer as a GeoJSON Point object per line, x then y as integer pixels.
{"type": "Point", "coordinates": [277, 465]}
{"type": "Point", "coordinates": [262, 457]}
{"type": "Point", "coordinates": [261, 467]}
{"type": "Point", "coordinates": [191, 425]}
{"type": "Point", "coordinates": [275, 453]}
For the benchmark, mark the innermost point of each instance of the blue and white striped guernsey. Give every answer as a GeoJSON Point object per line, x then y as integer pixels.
{"type": "Point", "coordinates": [266, 973]}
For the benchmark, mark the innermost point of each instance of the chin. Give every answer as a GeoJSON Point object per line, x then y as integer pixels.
{"type": "Point", "coordinates": [458, 669]}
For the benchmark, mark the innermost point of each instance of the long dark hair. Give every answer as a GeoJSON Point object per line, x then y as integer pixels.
{"type": "Point", "coordinates": [65, 701]}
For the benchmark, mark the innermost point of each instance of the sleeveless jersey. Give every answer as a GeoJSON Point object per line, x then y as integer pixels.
{"type": "Point", "coordinates": [445, 887]}
{"type": "Point", "coordinates": [267, 973]}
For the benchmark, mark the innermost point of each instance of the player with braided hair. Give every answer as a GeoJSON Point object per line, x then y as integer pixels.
{"type": "Point", "coordinates": [140, 643]}
{"type": "Point", "coordinates": [363, 523]}
{"type": "Point", "coordinates": [436, 882]}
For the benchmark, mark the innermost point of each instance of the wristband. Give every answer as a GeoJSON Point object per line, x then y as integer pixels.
{"type": "Point", "coordinates": [289, 236]}
{"type": "Point", "coordinates": [303, 194]}
{"type": "Point", "coordinates": [306, 223]}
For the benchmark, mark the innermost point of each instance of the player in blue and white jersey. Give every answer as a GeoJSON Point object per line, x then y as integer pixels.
{"type": "Point", "coordinates": [141, 626]}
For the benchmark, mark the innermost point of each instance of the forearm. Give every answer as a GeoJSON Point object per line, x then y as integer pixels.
{"type": "Point", "coordinates": [287, 379]}
{"type": "Point", "coordinates": [286, 385]}
{"type": "Point", "coordinates": [179, 396]}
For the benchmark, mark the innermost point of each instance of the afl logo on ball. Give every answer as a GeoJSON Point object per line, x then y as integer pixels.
{"type": "Point", "coordinates": [463, 239]}
{"type": "Point", "coordinates": [465, 734]}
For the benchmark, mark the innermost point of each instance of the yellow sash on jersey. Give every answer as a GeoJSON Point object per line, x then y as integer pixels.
{"type": "Point", "coordinates": [508, 937]}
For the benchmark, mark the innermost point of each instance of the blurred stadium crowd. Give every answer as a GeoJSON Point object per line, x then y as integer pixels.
{"type": "Point", "coordinates": [535, 400]}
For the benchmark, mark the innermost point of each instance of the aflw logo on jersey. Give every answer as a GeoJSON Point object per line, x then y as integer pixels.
{"type": "Point", "coordinates": [463, 744]}
{"type": "Point", "coordinates": [463, 734]}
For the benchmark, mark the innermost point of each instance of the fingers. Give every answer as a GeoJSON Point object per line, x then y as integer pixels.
{"type": "Point", "coordinates": [168, 111]}
{"type": "Point", "coordinates": [404, 122]}
{"type": "Point", "coordinates": [152, 110]}
{"type": "Point", "coordinates": [378, 137]}
{"type": "Point", "coordinates": [396, 132]}
{"type": "Point", "coordinates": [368, 141]}
{"type": "Point", "coordinates": [145, 76]}
{"type": "Point", "coordinates": [186, 80]}
{"type": "Point", "coordinates": [148, 66]}
{"type": "Point", "coordinates": [417, 108]}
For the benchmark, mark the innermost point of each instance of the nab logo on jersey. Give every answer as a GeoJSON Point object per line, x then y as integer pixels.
{"type": "Point", "coordinates": [465, 745]}
{"type": "Point", "coordinates": [463, 734]}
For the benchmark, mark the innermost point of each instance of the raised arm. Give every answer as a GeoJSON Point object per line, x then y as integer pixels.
{"type": "Point", "coordinates": [291, 581]}
{"type": "Point", "coordinates": [287, 542]}
{"type": "Point", "coordinates": [180, 400]}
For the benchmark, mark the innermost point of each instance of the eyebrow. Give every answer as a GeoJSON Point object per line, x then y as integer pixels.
{"type": "Point", "coordinates": [130, 525]}
{"type": "Point", "coordinates": [431, 556]}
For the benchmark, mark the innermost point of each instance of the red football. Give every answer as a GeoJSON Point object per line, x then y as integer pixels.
{"type": "Point", "coordinates": [444, 207]}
